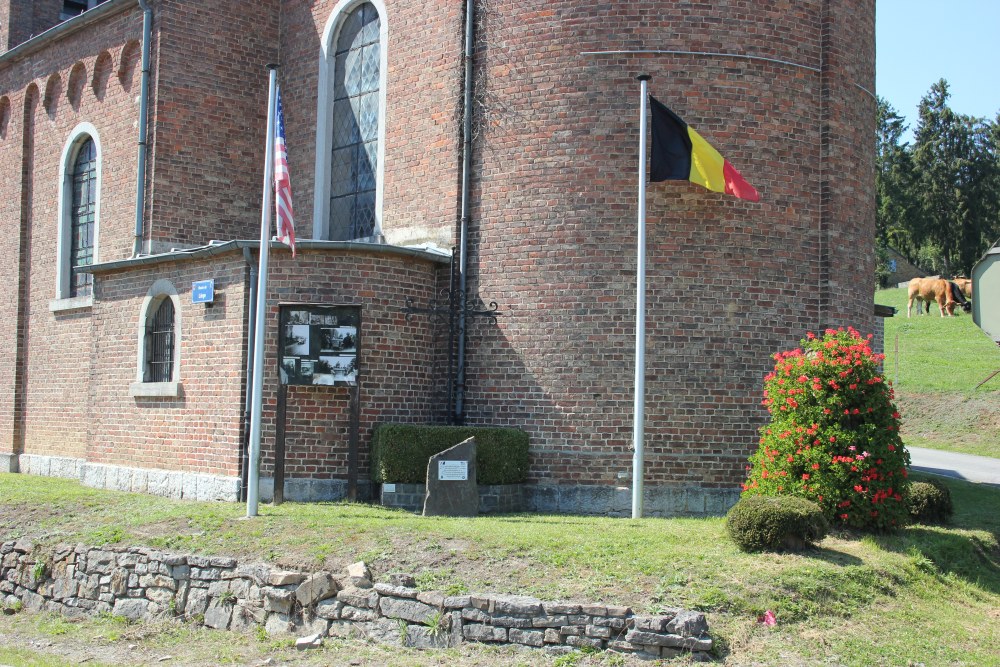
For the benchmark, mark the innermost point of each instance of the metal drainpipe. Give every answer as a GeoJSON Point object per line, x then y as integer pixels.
{"type": "Point", "coordinates": [466, 178]}
{"type": "Point", "coordinates": [244, 445]}
{"type": "Point", "coordinates": [140, 180]}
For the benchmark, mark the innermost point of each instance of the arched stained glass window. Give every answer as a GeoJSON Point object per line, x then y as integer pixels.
{"type": "Point", "coordinates": [354, 156]}
{"type": "Point", "coordinates": [82, 215]}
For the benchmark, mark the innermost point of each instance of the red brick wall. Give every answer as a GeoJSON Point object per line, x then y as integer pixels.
{"type": "Point", "coordinates": [209, 109]}
{"type": "Point", "coordinates": [200, 430]}
{"type": "Point", "coordinates": [396, 356]}
{"type": "Point", "coordinates": [55, 374]}
{"type": "Point", "coordinates": [729, 282]}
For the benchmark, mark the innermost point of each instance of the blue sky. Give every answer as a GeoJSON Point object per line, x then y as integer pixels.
{"type": "Point", "coordinates": [921, 41]}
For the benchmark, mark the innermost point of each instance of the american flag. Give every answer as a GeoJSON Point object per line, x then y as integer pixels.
{"type": "Point", "coordinates": [282, 183]}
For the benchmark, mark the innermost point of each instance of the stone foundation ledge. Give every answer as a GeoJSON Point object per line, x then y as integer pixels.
{"type": "Point", "coordinates": [221, 593]}
{"type": "Point", "coordinates": [166, 483]}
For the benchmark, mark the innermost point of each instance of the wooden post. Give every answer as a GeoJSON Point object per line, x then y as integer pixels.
{"type": "Point", "coordinates": [279, 445]}
{"type": "Point", "coordinates": [353, 437]}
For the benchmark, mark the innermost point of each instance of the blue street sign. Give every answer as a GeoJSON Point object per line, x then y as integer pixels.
{"type": "Point", "coordinates": [203, 291]}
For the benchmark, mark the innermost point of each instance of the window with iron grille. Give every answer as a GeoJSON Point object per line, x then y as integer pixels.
{"type": "Point", "coordinates": [82, 213]}
{"type": "Point", "coordinates": [355, 126]}
{"type": "Point", "coordinates": [160, 344]}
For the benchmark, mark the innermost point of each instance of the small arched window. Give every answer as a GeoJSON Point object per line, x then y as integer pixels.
{"type": "Point", "coordinates": [82, 214]}
{"type": "Point", "coordinates": [158, 366]}
{"type": "Point", "coordinates": [160, 344]}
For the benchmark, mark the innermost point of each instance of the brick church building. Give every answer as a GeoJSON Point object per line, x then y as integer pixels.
{"type": "Point", "coordinates": [132, 140]}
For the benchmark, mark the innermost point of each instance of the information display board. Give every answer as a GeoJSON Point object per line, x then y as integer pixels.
{"type": "Point", "coordinates": [318, 344]}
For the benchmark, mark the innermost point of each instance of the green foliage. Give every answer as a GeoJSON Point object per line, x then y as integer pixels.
{"type": "Point", "coordinates": [400, 452]}
{"type": "Point", "coordinates": [38, 571]}
{"type": "Point", "coordinates": [929, 502]}
{"type": "Point", "coordinates": [938, 200]}
{"type": "Point", "coordinates": [762, 523]}
{"type": "Point", "coordinates": [833, 437]}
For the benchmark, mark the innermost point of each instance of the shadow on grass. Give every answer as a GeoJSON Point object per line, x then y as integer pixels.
{"type": "Point", "coordinates": [967, 547]}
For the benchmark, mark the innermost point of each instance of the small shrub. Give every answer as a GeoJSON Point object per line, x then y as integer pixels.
{"type": "Point", "coordinates": [833, 436]}
{"type": "Point", "coordinates": [762, 523]}
{"type": "Point", "coordinates": [929, 502]}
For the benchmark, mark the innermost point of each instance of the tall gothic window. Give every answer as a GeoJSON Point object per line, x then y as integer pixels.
{"type": "Point", "coordinates": [160, 344]}
{"type": "Point", "coordinates": [355, 126]}
{"type": "Point", "coordinates": [82, 215]}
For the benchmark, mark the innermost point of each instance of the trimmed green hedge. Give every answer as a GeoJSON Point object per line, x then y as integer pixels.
{"type": "Point", "coordinates": [929, 502]}
{"type": "Point", "coordinates": [400, 452]}
{"type": "Point", "coordinates": [773, 523]}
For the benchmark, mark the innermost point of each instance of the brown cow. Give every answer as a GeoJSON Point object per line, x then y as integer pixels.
{"type": "Point", "coordinates": [926, 290]}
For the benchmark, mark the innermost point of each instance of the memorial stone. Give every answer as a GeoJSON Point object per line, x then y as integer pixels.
{"type": "Point", "coordinates": [451, 482]}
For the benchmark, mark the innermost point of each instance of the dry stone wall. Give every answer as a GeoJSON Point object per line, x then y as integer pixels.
{"type": "Point", "coordinates": [221, 593]}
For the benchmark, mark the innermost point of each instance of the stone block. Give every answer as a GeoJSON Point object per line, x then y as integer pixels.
{"type": "Point", "coordinates": [309, 642]}
{"type": "Point", "coordinates": [580, 641]}
{"type": "Point", "coordinates": [432, 598]}
{"type": "Point", "coordinates": [409, 610]}
{"type": "Point", "coordinates": [131, 608]}
{"type": "Point", "coordinates": [478, 632]}
{"type": "Point", "coordinates": [424, 638]}
{"type": "Point", "coordinates": [278, 600]}
{"type": "Point", "coordinates": [526, 637]}
{"type": "Point", "coordinates": [688, 624]}
{"type": "Point", "coordinates": [402, 580]}
{"type": "Point", "coordinates": [396, 591]}
{"type": "Point", "coordinates": [456, 601]}
{"type": "Point", "coordinates": [218, 615]}
{"type": "Point", "coordinates": [552, 636]}
{"type": "Point", "coordinates": [554, 608]}
{"type": "Point", "coordinates": [516, 605]}
{"type": "Point", "coordinates": [281, 578]}
{"type": "Point", "coordinates": [278, 624]}
{"type": "Point", "coordinates": [357, 597]}
{"type": "Point", "coordinates": [316, 587]}
{"type": "Point", "coordinates": [329, 609]}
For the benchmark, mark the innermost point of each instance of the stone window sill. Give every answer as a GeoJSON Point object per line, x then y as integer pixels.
{"type": "Point", "coordinates": [72, 303]}
{"type": "Point", "coordinates": [155, 389]}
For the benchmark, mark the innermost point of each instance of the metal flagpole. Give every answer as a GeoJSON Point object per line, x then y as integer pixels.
{"type": "Point", "coordinates": [253, 479]}
{"type": "Point", "coordinates": [639, 411]}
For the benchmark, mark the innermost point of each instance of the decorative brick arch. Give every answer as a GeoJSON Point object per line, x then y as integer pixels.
{"type": "Point", "coordinates": [77, 82]}
{"type": "Point", "coordinates": [102, 72]}
{"type": "Point", "coordinates": [53, 89]}
{"type": "Point", "coordinates": [128, 61]}
{"type": "Point", "coordinates": [4, 116]}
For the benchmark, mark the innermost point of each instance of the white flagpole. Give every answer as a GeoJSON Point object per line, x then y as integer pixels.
{"type": "Point", "coordinates": [253, 478]}
{"type": "Point", "coordinates": [639, 410]}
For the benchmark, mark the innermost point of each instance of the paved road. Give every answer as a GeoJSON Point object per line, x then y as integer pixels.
{"type": "Point", "coordinates": [962, 466]}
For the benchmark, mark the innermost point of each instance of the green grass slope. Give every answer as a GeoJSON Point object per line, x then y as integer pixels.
{"type": "Point", "coordinates": [935, 365]}
{"type": "Point", "coordinates": [927, 594]}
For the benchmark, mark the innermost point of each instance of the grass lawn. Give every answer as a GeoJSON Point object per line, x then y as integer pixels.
{"type": "Point", "coordinates": [935, 364]}
{"type": "Point", "coordinates": [928, 594]}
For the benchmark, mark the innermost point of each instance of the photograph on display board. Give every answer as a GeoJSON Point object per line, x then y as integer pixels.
{"type": "Point", "coordinates": [297, 340]}
{"type": "Point", "coordinates": [338, 339]}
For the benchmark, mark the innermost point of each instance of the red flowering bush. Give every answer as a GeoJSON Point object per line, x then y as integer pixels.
{"type": "Point", "coordinates": [834, 436]}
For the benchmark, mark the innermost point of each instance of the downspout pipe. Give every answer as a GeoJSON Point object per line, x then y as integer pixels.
{"type": "Point", "coordinates": [248, 405]}
{"type": "Point", "coordinates": [140, 179]}
{"type": "Point", "coordinates": [463, 252]}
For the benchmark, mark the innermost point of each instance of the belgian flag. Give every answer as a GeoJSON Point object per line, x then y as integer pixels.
{"type": "Point", "coordinates": [680, 154]}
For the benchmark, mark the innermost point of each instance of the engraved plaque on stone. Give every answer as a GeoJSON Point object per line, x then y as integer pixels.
{"type": "Point", "coordinates": [453, 471]}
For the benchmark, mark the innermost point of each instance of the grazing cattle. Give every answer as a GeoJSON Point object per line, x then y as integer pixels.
{"type": "Point", "coordinates": [958, 295]}
{"type": "Point", "coordinates": [964, 284]}
{"type": "Point", "coordinates": [926, 290]}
